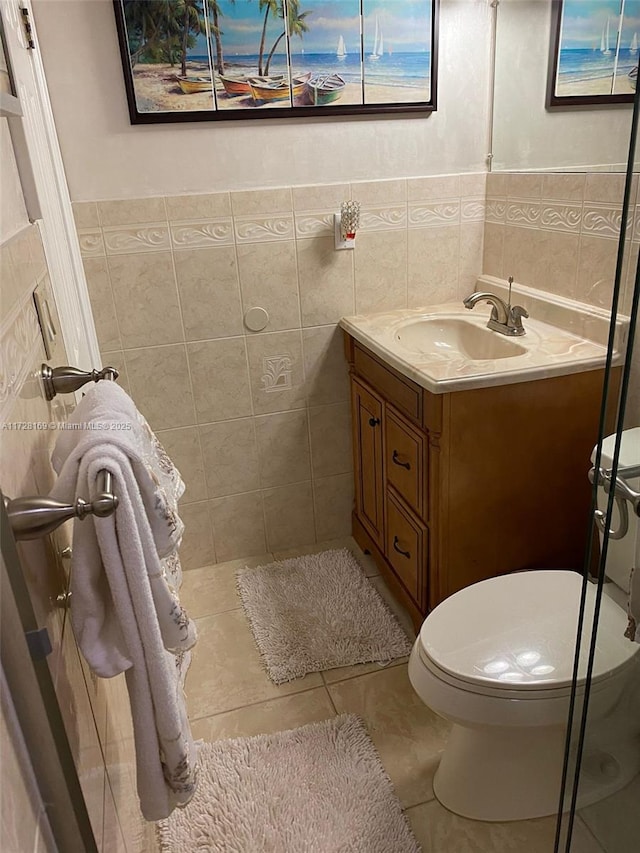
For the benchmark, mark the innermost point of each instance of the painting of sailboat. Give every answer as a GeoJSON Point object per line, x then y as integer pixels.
{"type": "Point", "coordinates": [283, 56]}
{"type": "Point", "coordinates": [594, 48]}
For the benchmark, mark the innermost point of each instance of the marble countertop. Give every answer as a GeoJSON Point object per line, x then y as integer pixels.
{"type": "Point", "coordinates": [551, 349]}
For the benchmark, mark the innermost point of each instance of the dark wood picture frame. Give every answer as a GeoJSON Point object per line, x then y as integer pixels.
{"type": "Point", "coordinates": [302, 102]}
{"type": "Point", "coordinates": [610, 52]}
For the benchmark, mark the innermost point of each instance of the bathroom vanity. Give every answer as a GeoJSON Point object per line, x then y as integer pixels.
{"type": "Point", "coordinates": [473, 467]}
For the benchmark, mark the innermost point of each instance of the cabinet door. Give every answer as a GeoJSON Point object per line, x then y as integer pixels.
{"type": "Point", "coordinates": [367, 442]}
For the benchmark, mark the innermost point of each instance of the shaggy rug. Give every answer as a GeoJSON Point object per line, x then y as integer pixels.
{"type": "Point", "coordinates": [318, 612]}
{"type": "Point", "coordinates": [316, 789]}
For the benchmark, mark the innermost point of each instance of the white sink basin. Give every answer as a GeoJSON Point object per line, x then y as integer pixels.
{"type": "Point", "coordinates": [457, 337]}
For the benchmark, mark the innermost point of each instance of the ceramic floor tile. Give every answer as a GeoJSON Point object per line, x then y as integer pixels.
{"type": "Point", "coordinates": [407, 734]}
{"type": "Point", "coordinates": [396, 608]}
{"type": "Point", "coordinates": [274, 715]}
{"type": "Point", "coordinates": [212, 589]}
{"type": "Point", "coordinates": [365, 560]}
{"type": "Point", "coordinates": [227, 672]}
{"type": "Point", "coordinates": [341, 673]}
{"type": "Point", "coordinates": [440, 831]}
{"type": "Point", "coordinates": [615, 821]}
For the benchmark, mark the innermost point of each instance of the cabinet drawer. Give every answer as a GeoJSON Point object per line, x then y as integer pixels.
{"type": "Point", "coordinates": [406, 547]}
{"type": "Point", "coordinates": [405, 458]}
{"type": "Point", "coordinates": [403, 393]}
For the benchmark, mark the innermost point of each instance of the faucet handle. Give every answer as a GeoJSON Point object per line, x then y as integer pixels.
{"type": "Point", "coordinates": [516, 314]}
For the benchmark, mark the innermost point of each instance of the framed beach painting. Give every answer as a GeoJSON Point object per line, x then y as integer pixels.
{"type": "Point", "coordinates": [208, 60]}
{"type": "Point", "coordinates": [594, 52]}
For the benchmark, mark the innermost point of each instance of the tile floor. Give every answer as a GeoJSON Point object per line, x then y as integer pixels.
{"type": "Point", "coordinates": [229, 695]}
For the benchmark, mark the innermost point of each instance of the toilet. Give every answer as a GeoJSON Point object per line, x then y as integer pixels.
{"type": "Point", "coordinates": [496, 659]}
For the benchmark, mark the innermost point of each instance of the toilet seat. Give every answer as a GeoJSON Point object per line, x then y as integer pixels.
{"type": "Point", "coordinates": [514, 636]}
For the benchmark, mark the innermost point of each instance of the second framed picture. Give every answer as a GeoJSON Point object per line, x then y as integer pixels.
{"type": "Point", "coordinates": [189, 60]}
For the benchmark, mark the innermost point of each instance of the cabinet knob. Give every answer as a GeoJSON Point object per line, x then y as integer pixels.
{"type": "Point", "coordinates": [374, 421]}
{"type": "Point", "coordinates": [406, 554]}
{"type": "Point", "coordinates": [396, 458]}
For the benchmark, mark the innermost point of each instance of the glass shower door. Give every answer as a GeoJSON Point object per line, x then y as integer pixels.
{"type": "Point", "coordinates": [601, 786]}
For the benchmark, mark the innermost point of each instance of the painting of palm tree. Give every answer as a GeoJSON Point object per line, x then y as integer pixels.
{"type": "Point", "coordinates": [215, 58]}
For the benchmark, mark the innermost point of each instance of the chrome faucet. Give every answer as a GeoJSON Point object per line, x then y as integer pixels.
{"type": "Point", "coordinates": [505, 318]}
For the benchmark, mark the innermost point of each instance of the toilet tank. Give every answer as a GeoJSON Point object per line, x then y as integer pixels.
{"type": "Point", "coordinates": [621, 553]}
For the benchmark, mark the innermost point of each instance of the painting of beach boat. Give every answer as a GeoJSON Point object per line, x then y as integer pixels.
{"type": "Point", "coordinates": [188, 60]}
{"type": "Point", "coordinates": [594, 52]}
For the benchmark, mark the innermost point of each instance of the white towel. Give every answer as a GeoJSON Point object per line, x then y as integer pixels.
{"type": "Point", "coordinates": [125, 610]}
{"type": "Point", "coordinates": [633, 607]}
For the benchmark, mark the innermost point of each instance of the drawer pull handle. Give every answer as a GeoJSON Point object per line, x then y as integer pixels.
{"type": "Point", "coordinates": [397, 461]}
{"type": "Point", "coordinates": [374, 421]}
{"type": "Point", "coordinates": [406, 554]}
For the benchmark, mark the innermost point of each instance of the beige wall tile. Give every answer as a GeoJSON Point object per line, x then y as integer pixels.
{"type": "Point", "coordinates": [568, 186]}
{"type": "Point", "coordinates": [326, 282]}
{"type": "Point", "coordinates": [209, 292]}
{"type": "Point", "coordinates": [257, 202]}
{"type": "Point", "coordinates": [288, 513]}
{"type": "Point", "coordinates": [522, 185]}
{"type": "Point", "coordinates": [269, 280]}
{"type": "Point", "coordinates": [497, 185]}
{"type": "Point", "coordinates": [102, 304]}
{"type": "Point", "coordinates": [85, 214]}
{"type": "Point", "coordinates": [433, 265]}
{"type": "Point", "coordinates": [160, 385]}
{"type": "Point", "coordinates": [381, 271]}
{"type": "Point", "coordinates": [521, 257]}
{"type": "Point", "coordinates": [197, 547]}
{"type": "Point", "coordinates": [438, 186]}
{"type": "Point", "coordinates": [321, 197]}
{"type": "Point", "coordinates": [283, 448]}
{"type": "Point", "coordinates": [206, 206]}
{"type": "Point", "coordinates": [558, 263]}
{"type": "Point", "coordinates": [183, 447]}
{"type": "Point", "coordinates": [230, 457]}
{"type": "Point", "coordinates": [493, 250]}
{"type": "Point", "coordinates": [238, 526]}
{"type": "Point", "coordinates": [146, 299]}
{"type": "Point", "coordinates": [471, 253]}
{"type": "Point", "coordinates": [227, 672]}
{"type": "Point", "coordinates": [333, 501]}
{"type": "Point", "coordinates": [379, 192]}
{"type": "Point", "coordinates": [274, 715]}
{"type": "Point", "coordinates": [330, 431]}
{"type": "Point", "coordinates": [596, 270]}
{"type": "Point", "coordinates": [604, 187]}
{"type": "Point", "coordinates": [220, 379]}
{"type": "Point", "coordinates": [473, 184]}
{"type": "Point", "coordinates": [276, 372]}
{"type": "Point", "coordinates": [325, 366]}
{"type": "Point", "coordinates": [405, 732]}
{"type": "Point", "coordinates": [132, 211]}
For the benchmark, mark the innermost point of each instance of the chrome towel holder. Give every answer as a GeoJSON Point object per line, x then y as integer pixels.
{"type": "Point", "coordinates": [36, 516]}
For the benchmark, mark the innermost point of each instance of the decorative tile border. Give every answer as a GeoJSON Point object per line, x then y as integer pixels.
{"type": "Point", "coordinates": [556, 216]}
{"type": "Point", "coordinates": [141, 238]}
{"type": "Point", "coordinates": [314, 224]}
{"type": "Point", "coordinates": [496, 210]}
{"type": "Point", "coordinates": [435, 214]}
{"type": "Point", "coordinates": [91, 243]}
{"type": "Point", "coordinates": [253, 229]}
{"type": "Point", "coordinates": [383, 218]}
{"type": "Point", "coordinates": [523, 213]}
{"type": "Point", "coordinates": [602, 221]}
{"type": "Point", "coordinates": [472, 210]}
{"type": "Point", "coordinates": [193, 235]}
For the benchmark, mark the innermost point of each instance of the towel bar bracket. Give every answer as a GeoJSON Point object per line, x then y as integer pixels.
{"type": "Point", "coordinates": [66, 380]}
{"type": "Point", "coordinates": [34, 517]}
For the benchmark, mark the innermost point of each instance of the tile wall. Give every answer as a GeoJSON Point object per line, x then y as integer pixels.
{"type": "Point", "coordinates": [258, 423]}
{"type": "Point", "coordinates": [95, 711]}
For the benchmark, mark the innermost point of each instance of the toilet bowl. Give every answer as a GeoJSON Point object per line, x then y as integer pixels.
{"type": "Point", "coordinates": [496, 659]}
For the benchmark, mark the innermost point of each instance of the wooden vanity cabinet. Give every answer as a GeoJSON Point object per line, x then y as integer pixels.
{"type": "Point", "coordinates": [458, 487]}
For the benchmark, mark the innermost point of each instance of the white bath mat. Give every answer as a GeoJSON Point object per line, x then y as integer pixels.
{"type": "Point", "coordinates": [316, 789]}
{"type": "Point", "coordinates": [318, 612]}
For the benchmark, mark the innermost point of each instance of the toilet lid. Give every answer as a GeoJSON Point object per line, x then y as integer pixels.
{"type": "Point", "coordinates": [519, 632]}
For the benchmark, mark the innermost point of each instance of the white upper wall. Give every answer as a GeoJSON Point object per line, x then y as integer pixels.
{"type": "Point", "coordinates": [106, 157]}
{"type": "Point", "coordinates": [528, 136]}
